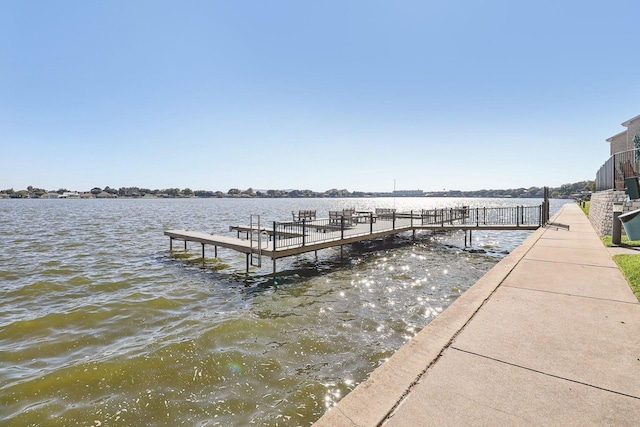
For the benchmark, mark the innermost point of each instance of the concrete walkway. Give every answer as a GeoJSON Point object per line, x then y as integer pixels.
{"type": "Point", "coordinates": [549, 336]}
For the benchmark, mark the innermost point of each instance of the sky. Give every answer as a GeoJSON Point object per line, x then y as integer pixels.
{"type": "Point", "coordinates": [357, 95]}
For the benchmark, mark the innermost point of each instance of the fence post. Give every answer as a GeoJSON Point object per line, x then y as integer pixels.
{"type": "Point", "coordinates": [342, 227]}
{"type": "Point", "coordinates": [613, 173]}
{"type": "Point", "coordinates": [274, 236]}
{"type": "Point", "coordinates": [303, 231]}
{"type": "Point", "coordinates": [546, 205]}
{"type": "Point", "coordinates": [616, 234]}
{"type": "Point", "coordinates": [540, 216]}
{"type": "Point", "coordinates": [370, 222]}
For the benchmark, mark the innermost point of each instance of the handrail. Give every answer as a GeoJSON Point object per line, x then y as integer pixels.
{"type": "Point", "coordinates": [619, 166]}
{"type": "Point", "coordinates": [309, 232]}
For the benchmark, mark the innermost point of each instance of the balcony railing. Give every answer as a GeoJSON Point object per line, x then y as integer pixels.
{"type": "Point", "coordinates": [612, 173]}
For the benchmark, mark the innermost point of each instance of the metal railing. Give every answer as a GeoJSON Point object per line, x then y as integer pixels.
{"type": "Point", "coordinates": [613, 172]}
{"type": "Point", "coordinates": [514, 216]}
{"type": "Point", "coordinates": [306, 232]}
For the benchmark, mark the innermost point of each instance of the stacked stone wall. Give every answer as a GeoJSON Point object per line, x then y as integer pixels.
{"type": "Point", "coordinates": [601, 209]}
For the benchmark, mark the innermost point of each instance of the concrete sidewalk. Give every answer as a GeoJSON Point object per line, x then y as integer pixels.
{"type": "Point", "coordinates": [549, 336]}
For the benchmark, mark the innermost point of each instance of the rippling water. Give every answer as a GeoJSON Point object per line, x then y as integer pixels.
{"type": "Point", "coordinates": [102, 325]}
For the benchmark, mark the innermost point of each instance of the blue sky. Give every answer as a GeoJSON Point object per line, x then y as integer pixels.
{"type": "Point", "coordinates": [353, 95]}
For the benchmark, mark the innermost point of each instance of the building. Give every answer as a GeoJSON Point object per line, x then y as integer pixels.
{"type": "Point", "coordinates": [625, 140]}
{"type": "Point", "coordinates": [50, 195]}
{"type": "Point", "coordinates": [617, 180]}
{"type": "Point", "coordinates": [408, 193]}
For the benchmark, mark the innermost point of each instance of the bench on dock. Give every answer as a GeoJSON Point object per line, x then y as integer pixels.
{"type": "Point", "coordinates": [336, 217]}
{"type": "Point", "coordinates": [385, 213]}
{"type": "Point", "coordinates": [307, 215]}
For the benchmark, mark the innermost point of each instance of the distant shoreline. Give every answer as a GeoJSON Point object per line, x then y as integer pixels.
{"type": "Point", "coordinates": [152, 197]}
{"type": "Point", "coordinates": [579, 190]}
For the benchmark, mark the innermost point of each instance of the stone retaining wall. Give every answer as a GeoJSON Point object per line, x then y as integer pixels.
{"type": "Point", "coordinates": [601, 210]}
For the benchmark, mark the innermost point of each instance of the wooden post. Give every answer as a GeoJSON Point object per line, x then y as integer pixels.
{"type": "Point", "coordinates": [274, 266]}
{"type": "Point", "coordinates": [203, 252]}
{"type": "Point", "coordinates": [170, 244]}
{"type": "Point", "coordinates": [248, 255]}
{"type": "Point", "coordinates": [215, 251]}
{"type": "Point", "coordinates": [185, 245]}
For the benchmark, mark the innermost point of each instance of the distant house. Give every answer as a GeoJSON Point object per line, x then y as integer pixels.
{"type": "Point", "coordinates": [105, 195]}
{"type": "Point", "coordinates": [624, 140]}
{"type": "Point", "coordinates": [50, 196]}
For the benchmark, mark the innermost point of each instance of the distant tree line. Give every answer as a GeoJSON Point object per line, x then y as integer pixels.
{"type": "Point", "coordinates": [580, 189]}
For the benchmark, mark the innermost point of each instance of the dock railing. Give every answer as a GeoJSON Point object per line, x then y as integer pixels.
{"type": "Point", "coordinates": [307, 232]}
{"type": "Point", "coordinates": [504, 216]}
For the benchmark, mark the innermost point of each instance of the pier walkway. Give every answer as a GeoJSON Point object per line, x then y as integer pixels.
{"type": "Point", "coordinates": [549, 336]}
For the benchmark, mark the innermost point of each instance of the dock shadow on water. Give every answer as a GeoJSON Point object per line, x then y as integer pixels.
{"type": "Point", "coordinates": [116, 331]}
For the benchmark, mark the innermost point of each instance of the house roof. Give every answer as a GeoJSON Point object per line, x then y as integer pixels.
{"type": "Point", "coordinates": [624, 132]}
{"type": "Point", "coordinates": [628, 122]}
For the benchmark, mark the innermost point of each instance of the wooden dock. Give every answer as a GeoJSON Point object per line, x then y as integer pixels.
{"type": "Point", "coordinates": [287, 238]}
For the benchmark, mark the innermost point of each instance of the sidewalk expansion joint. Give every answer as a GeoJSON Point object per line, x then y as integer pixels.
{"type": "Point", "coordinates": [544, 291]}
{"type": "Point", "coordinates": [546, 373]}
{"type": "Point", "coordinates": [573, 263]}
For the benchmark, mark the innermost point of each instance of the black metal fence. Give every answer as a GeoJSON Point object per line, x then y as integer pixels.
{"type": "Point", "coordinates": [513, 216]}
{"type": "Point", "coordinates": [310, 231]}
{"type": "Point", "coordinates": [613, 172]}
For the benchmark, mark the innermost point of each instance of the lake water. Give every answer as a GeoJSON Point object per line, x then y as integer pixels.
{"type": "Point", "coordinates": [102, 326]}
